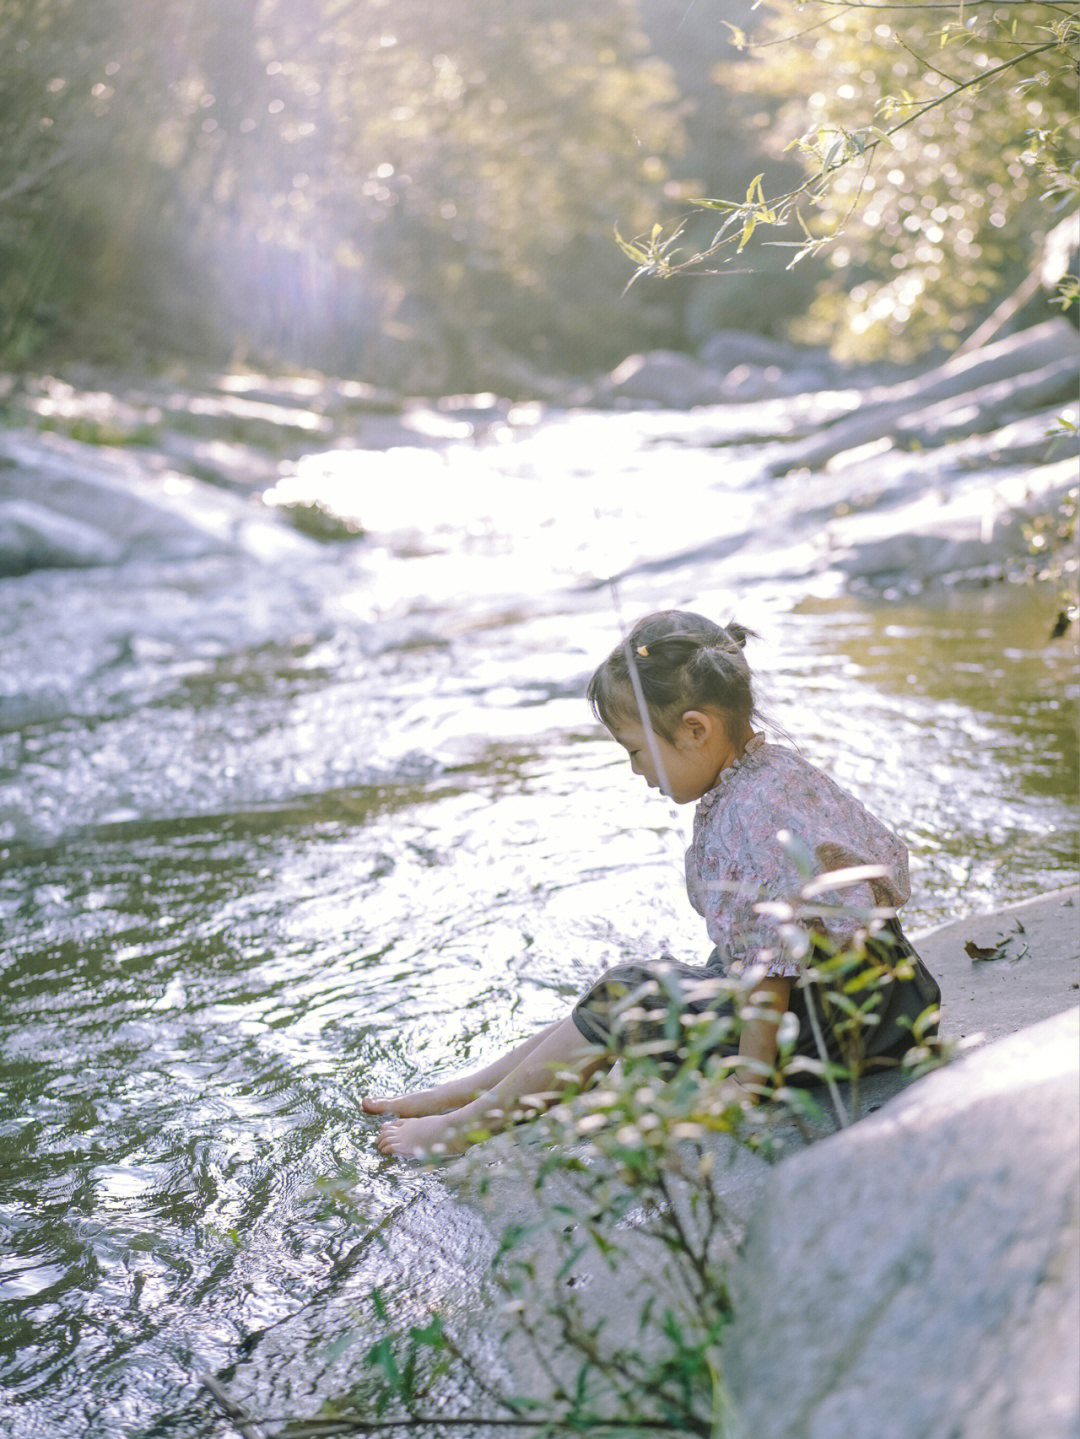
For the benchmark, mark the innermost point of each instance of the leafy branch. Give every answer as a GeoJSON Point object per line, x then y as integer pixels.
{"type": "Point", "coordinates": [835, 148]}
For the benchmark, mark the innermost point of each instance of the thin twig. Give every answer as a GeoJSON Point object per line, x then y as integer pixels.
{"type": "Point", "coordinates": [328, 1428]}
{"type": "Point", "coordinates": [336, 1273]}
{"type": "Point", "coordinates": [696, 1260]}
{"type": "Point", "coordinates": [237, 1416]}
{"type": "Point", "coordinates": [823, 1054]}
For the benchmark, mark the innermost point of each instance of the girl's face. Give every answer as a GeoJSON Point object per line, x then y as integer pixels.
{"type": "Point", "coordinates": [687, 767]}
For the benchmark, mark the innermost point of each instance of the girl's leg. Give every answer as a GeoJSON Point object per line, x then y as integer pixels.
{"type": "Point", "coordinates": [560, 1056]}
{"type": "Point", "coordinates": [456, 1092]}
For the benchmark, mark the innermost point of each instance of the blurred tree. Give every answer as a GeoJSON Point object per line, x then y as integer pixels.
{"type": "Point", "coordinates": [346, 182]}
{"type": "Point", "coordinates": [940, 145]}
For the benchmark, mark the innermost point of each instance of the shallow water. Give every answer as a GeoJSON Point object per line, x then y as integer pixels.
{"type": "Point", "coordinates": [246, 882]}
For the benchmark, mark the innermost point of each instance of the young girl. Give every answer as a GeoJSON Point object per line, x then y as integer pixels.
{"type": "Point", "coordinates": [677, 694]}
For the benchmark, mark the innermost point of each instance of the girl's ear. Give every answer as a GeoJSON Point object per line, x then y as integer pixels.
{"type": "Point", "coordinates": [700, 725]}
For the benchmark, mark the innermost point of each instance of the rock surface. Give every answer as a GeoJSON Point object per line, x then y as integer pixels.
{"type": "Point", "coordinates": [917, 1276]}
{"type": "Point", "coordinates": [661, 377]}
{"type": "Point", "coordinates": [68, 503]}
{"type": "Point", "coordinates": [34, 538]}
{"type": "Point", "coordinates": [667, 379]}
{"type": "Point", "coordinates": [724, 349]}
{"type": "Point", "coordinates": [904, 1278]}
{"type": "Point", "coordinates": [926, 531]}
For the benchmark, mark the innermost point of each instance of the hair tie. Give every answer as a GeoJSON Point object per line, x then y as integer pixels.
{"type": "Point", "coordinates": [643, 651]}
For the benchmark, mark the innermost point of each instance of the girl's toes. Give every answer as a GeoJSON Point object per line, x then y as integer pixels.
{"type": "Point", "coordinates": [376, 1106]}
{"type": "Point", "coordinates": [384, 1142]}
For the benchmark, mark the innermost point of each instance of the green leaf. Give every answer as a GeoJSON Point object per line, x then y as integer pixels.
{"type": "Point", "coordinates": [570, 1260]}
{"type": "Point", "coordinates": [633, 252]}
{"type": "Point", "coordinates": [431, 1334]}
{"type": "Point", "coordinates": [381, 1356]}
{"type": "Point", "coordinates": [338, 1346]}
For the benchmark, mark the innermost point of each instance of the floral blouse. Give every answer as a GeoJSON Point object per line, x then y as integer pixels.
{"type": "Point", "coordinates": [736, 860]}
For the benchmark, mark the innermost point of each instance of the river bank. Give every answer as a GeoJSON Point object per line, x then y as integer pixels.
{"type": "Point", "coordinates": [922, 1205]}
{"type": "Point", "coordinates": [283, 820]}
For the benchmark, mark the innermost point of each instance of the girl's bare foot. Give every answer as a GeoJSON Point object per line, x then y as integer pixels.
{"type": "Point", "coordinates": [434, 1135]}
{"type": "Point", "coordinates": [440, 1100]}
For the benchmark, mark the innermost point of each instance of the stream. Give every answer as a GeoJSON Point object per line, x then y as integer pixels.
{"type": "Point", "coordinates": [273, 836]}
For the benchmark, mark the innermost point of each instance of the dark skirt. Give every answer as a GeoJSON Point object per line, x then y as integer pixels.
{"type": "Point", "coordinates": [647, 1008]}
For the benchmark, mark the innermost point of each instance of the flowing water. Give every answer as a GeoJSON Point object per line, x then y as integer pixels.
{"type": "Point", "coordinates": [275, 840]}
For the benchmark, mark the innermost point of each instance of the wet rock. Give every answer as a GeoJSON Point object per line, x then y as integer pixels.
{"type": "Point", "coordinates": [915, 1278]}
{"type": "Point", "coordinates": [316, 393]}
{"type": "Point", "coordinates": [123, 510]}
{"type": "Point", "coordinates": [661, 377]}
{"type": "Point", "coordinates": [726, 349]}
{"type": "Point", "coordinates": [962, 525]}
{"type": "Point", "coordinates": [225, 463]}
{"type": "Point", "coordinates": [274, 425]}
{"type": "Point", "coordinates": [33, 538]}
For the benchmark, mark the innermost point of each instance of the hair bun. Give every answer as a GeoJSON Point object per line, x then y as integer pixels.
{"type": "Point", "coordinates": [738, 634]}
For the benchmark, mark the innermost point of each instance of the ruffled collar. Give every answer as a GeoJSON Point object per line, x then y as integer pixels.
{"type": "Point", "coordinates": [707, 800]}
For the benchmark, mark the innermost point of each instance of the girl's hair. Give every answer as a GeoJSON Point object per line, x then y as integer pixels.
{"type": "Point", "coordinates": [683, 662]}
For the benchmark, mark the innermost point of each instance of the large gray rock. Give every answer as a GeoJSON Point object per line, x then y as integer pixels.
{"type": "Point", "coordinates": [670, 380]}
{"type": "Point", "coordinates": [966, 524]}
{"type": "Point", "coordinates": [69, 503]}
{"type": "Point", "coordinates": [664, 378]}
{"type": "Point", "coordinates": [916, 1277]}
{"type": "Point", "coordinates": [724, 349]}
{"type": "Point", "coordinates": [34, 538]}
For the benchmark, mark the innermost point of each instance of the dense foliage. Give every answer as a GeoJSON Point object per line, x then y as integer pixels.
{"type": "Point", "coordinates": [353, 184]}
{"type": "Point", "coordinates": [940, 145]}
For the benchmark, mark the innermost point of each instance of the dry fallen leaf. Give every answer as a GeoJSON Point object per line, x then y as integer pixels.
{"type": "Point", "coordinates": [978, 951]}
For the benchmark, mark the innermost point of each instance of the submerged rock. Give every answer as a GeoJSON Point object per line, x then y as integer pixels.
{"type": "Point", "coordinates": [916, 1276]}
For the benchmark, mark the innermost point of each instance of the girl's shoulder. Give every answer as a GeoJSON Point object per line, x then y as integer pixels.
{"type": "Point", "coordinates": [775, 778]}
{"type": "Point", "coordinates": [764, 762]}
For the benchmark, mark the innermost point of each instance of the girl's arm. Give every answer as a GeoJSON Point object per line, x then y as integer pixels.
{"type": "Point", "coordinates": [757, 1044]}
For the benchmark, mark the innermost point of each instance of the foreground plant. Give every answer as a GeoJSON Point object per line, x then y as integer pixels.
{"type": "Point", "coordinates": [629, 1186]}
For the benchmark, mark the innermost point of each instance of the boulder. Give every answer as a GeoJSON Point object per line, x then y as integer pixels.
{"type": "Point", "coordinates": [664, 378]}
{"type": "Point", "coordinates": [738, 368]}
{"type": "Point", "coordinates": [110, 506]}
{"type": "Point", "coordinates": [34, 538]}
{"type": "Point", "coordinates": [770, 382]}
{"type": "Point", "coordinates": [725, 349]}
{"type": "Point", "coordinates": [916, 1276]}
{"type": "Point", "coordinates": [964, 524]}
